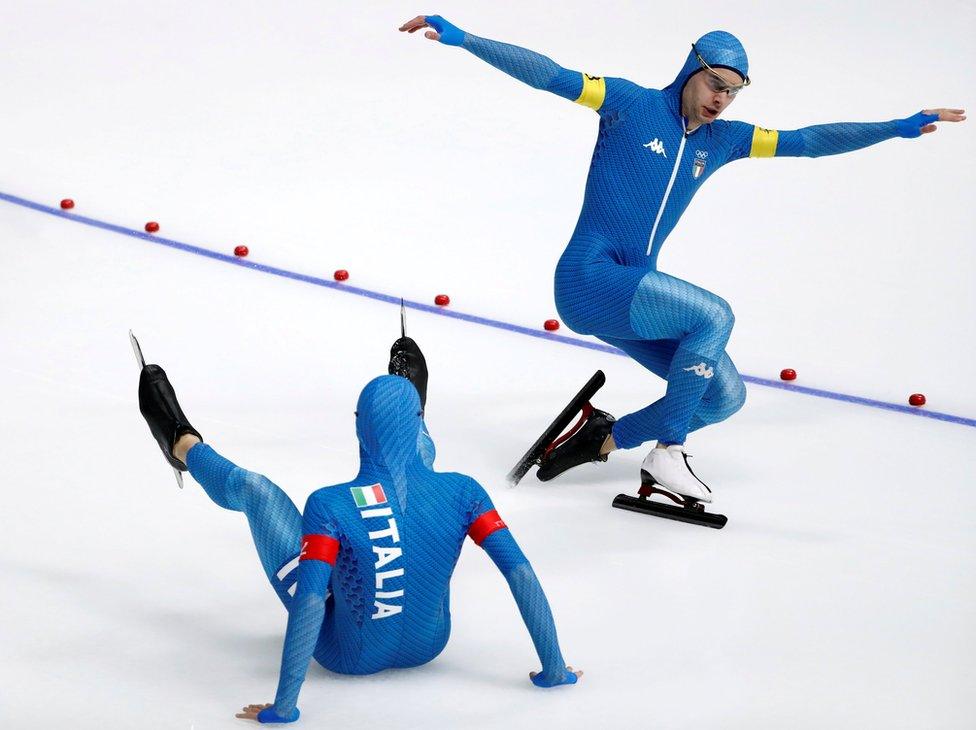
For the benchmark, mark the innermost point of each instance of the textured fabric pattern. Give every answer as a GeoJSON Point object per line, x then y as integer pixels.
{"type": "Point", "coordinates": [829, 139]}
{"type": "Point", "coordinates": [652, 316]}
{"type": "Point", "coordinates": [425, 447]}
{"type": "Point", "coordinates": [534, 69]}
{"type": "Point", "coordinates": [645, 170]}
{"type": "Point", "coordinates": [400, 529]}
{"type": "Point", "coordinates": [305, 619]}
{"type": "Point", "coordinates": [725, 394]}
{"type": "Point", "coordinates": [531, 600]}
{"type": "Point", "coordinates": [275, 522]}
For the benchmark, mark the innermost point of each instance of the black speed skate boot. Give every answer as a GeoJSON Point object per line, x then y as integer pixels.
{"type": "Point", "coordinates": [580, 445]}
{"type": "Point", "coordinates": [162, 412]}
{"type": "Point", "coordinates": [408, 361]}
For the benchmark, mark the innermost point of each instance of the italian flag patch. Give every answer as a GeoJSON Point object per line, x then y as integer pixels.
{"type": "Point", "coordinates": [368, 496]}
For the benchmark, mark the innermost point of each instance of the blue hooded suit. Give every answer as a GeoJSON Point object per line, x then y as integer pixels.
{"type": "Point", "coordinates": [646, 167]}
{"type": "Point", "coordinates": [365, 571]}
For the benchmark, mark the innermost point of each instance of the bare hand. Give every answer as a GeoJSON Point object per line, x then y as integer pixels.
{"type": "Point", "coordinates": [251, 711]}
{"type": "Point", "coordinates": [945, 115]}
{"type": "Point", "coordinates": [412, 26]}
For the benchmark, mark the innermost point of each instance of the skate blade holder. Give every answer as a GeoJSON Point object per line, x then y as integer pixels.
{"type": "Point", "coordinates": [541, 446]}
{"type": "Point", "coordinates": [646, 490]}
{"type": "Point", "coordinates": [585, 412]}
{"type": "Point", "coordinates": [685, 509]}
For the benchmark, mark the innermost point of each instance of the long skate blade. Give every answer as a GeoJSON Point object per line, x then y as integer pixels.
{"type": "Point", "coordinates": [555, 428]}
{"type": "Point", "coordinates": [670, 511]}
{"type": "Point", "coordinates": [137, 350]}
{"type": "Point", "coordinates": [142, 363]}
{"type": "Point", "coordinates": [403, 319]}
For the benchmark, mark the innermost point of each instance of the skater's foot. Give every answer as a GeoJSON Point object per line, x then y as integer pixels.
{"type": "Point", "coordinates": [167, 422]}
{"type": "Point", "coordinates": [406, 360]}
{"type": "Point", "coordinates": [668, 468]}
{"type": "Point", "coordinates": [586, 445]}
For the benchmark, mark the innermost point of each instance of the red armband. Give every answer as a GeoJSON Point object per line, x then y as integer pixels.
{"type": "Point", "coordinates": [482, 527]}
{"type": "Point", "coordinates": [319, 547]}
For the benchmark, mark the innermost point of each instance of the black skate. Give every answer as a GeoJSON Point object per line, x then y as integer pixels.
{"type": "Point", "coordinates": [408, 361]}
{"type": "Point", "coordinates": [581, 444]}
{"type": "Point", "coordinates": [158, 405]}
{"type": "Point", "coordinates": [685, 509]}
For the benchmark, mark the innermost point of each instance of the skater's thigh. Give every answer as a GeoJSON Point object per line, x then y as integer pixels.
{"type": "Point", "coordinates": [594, 292]}
{"type": "Point", "coordinates": [655, 355]}
{"type": "Point", "coordinates": [666, 307]}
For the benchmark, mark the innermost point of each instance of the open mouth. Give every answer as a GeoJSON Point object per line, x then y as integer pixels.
{"type": "Point", "coordinates": [710, 113]}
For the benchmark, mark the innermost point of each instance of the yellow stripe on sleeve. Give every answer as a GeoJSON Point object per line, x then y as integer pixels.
{"type": "Point", "coordinates": [594, 92]}
{"type": "Point", "coordinates": [764, 142]}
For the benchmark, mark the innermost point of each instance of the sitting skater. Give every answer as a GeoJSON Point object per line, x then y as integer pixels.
{"type": "Point", "coordinates": [364, 573]}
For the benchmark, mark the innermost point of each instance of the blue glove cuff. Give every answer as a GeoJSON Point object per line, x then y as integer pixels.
{"type": "Point", "coordinates": [268, 715]}
{"type": "Point", "coordinates": [544, 679]}
{"type": "Point", "coordinates": [450, 34]}
{"type": "Point", "coordinates": [912, 126]}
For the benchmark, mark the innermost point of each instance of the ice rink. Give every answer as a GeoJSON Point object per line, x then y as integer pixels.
{"type": "Point", "coordinates": [841, 592]}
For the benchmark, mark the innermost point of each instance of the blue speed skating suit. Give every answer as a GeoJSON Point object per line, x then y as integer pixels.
{"type": "Point", "coordinates": [646, 168]}
{"type": "Point", "coordinates": [365, 572]}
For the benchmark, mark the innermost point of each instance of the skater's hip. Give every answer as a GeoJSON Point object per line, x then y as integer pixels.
{"type": "Point", "coordinates": [593, 287]}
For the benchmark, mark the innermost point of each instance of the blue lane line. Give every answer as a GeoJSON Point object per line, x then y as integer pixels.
{"type": "Point", "coordinates": [454, 314]}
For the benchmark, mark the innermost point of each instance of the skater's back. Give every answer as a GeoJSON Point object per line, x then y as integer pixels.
{"type": "Point", "coordinates": [400, 528]}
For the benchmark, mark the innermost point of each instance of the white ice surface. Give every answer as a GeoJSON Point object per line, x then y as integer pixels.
{"type": "Point", "coordinates": [840, 595]}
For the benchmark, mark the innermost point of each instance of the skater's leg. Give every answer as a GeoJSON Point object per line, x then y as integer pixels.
{"type": "Point", "coordinates": [666, 308]}
{"type": "Point", "coordinates": [275, 522]}
{"type": "Point", "coordinates": [725, 394]}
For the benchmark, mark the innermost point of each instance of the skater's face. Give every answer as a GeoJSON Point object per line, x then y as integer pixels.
{"type": "Point", "coordinates": [707, 94]}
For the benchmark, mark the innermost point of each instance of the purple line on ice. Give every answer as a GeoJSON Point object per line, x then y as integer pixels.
{"type": "Point", "coordinates": [318, 281]}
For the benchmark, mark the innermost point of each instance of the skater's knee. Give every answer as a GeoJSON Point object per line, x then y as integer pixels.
{"type": "Point", "coordinates": [257, 488]}
{"type": "Point", "coordinates": [736, 398]}
{"type": "Point", "coordinates": [711, 327]}
{"type": "Point", "coordinates": [720, 316]}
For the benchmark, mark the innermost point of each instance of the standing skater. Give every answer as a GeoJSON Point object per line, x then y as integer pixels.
{"type": "Point", "coordinates": [364, 573]}
{"type": "Point", "coordinates": [654, 149]}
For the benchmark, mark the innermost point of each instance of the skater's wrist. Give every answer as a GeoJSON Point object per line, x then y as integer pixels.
{"type": "Point", "coordinates": [270, 716]}
{"type": "Point", "coordinates": [555, 677]}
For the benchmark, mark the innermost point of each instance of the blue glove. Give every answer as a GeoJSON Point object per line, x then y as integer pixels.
{"type": "Point", "coordinates": [912, 126]}
{"type": "Point", "coordinates": [544, 679]}
{"type": "Point", "coordinates": [269, 715]}
{"type": "Point", "coordinates": [450, 34]}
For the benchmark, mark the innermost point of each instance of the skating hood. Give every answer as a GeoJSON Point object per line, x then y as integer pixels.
{"type": "Point", "coordinates": [720, 50]}
{"type": "Point", "coordinates": [388, 421]}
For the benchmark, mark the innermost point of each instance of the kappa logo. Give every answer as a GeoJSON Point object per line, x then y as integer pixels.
{"type": "Point", "coordinates": [701, 369]}
{"type": "Point", "coordinates": [657, 145]}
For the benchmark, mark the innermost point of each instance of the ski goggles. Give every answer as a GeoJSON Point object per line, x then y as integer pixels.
{"type": "Point", "coordinates": [715, 82]}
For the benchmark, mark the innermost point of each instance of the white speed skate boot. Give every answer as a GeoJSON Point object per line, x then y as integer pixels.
{"type": "Point", "coordinates": [667, 470]}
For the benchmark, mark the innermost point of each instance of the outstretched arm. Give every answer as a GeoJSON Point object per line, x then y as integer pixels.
{"type": "Point", "coordinates": [834, 139]}
{"type": "Point", "coordinates": [305, 616]}
{"type": "Point", "coordinates": [534, 69]}
{"type": "Point", "coordinates": [491, 533]}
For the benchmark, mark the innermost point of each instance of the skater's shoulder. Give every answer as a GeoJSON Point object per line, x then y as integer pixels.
{"type": "Point", "coordinates": [328, 496]}
{"type": "Point", "coordinates": [459, 480]}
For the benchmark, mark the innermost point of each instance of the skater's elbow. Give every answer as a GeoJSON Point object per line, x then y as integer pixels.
{"type": "Point", "coordinates": [505, 552]}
